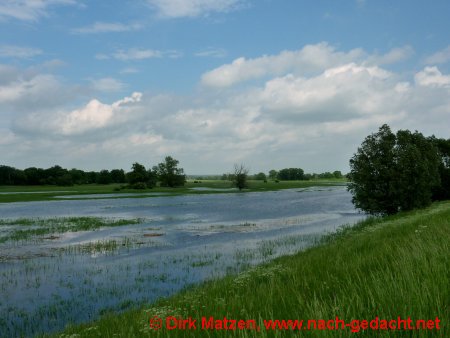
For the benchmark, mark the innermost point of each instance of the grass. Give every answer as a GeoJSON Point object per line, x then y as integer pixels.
{"type": "Point", "coordinates": [9, 194]}
{"type": "Point", "coordinates": [386, 268]}
{"type": "Point", "coordinates": [43, 226]}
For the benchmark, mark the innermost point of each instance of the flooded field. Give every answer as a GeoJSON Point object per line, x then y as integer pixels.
{"type": "Point", "coordinates": [69, 261]}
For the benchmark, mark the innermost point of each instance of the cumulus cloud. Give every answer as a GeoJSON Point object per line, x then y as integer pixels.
{"type": "Point", "coordinates": [439, 57]}
{"type": "Point", "coordinates": [8, 51]}
{"type": "Point", "coordinates": [29, 10]}
{"type": "Point", "coordinates": [21, 91]}
{"type": "Point", "coordinates": [311, 58]}
{"type": "Point", "coordinates": [192, 8]}
{"type": "Point", "coordinates": [302, 111]}
{"type": "Point", "coordinates": [107, 27]}
{"type": "Point", "coordinates": [393, 56]}
{"type": "Point", "coordinates": [94, 115]}
{"type": "Point", "coordinates": [431, 76]}
{"type": "Point", "coordinates": [108, 84]}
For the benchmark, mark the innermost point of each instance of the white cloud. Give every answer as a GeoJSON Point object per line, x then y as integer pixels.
{"type": "Point", "coordinates": [393, 56]}
{"type": "Point", "coordinates": [442, 56]}
{"type": "Point", "coordinates": [431, 76]}
{"type": "Point", "coordinates": [108, 84]}
{"type": "Point", "coordinates": [29, 10]}
{"type": "Point", "coordinates": [133, 54]}
{"type": "Point", "coordinates": [8, 51]}
{"type": "Point", "coordinates": [212, 52]}
{"type": "Point", "coordinates": [129, 70]}
{"type": "Point", "coordinates": [137, 54]}
{"type": "Point", "coordinates": [311, 58]}
{"type": "Point", "coordinates": [311, 108]}
{"type": "Point", "coordinates": [94, 115]}
{"type": "Point", "coordinates": [192, 8]}
{"type": "Point", "coordinates": [107, 27]}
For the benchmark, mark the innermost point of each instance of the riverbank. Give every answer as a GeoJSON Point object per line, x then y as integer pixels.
{"type": "Point", "coordinates": [10, 194]}
{"type": "Point", "coordinates": [384, 268]}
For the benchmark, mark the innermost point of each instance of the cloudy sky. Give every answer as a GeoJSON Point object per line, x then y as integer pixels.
{"type": "Point", "coordinates": [273, 84]}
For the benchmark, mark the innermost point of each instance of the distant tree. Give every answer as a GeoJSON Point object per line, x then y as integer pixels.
{"type": "Point", "coordinates": [291, 174]}
{"type": "Point", "coordinates": [308, 177]}
{"type": "Point", "coordinates": [240, 176]}
{"type": "Point", "coordinates": [337, 174]}
{"type": "Point", "coordinates": [57, 175]}
{"type": "Point", "coordinates": [260, 177]}
{"type": "Point", "coordinates": [273, 174]}
{"type": "Point", "coordinates": [152, 178]}
{"type": "Point", "coordinates": [168, 173]}
{"type": "Point", "coordinates": [118, 176]}
{"type": "Point", "coordinates": [137, 177]}
{"type": "Point", "coordinates": [326, 175]}
{"type": "Point", "coordinates": [442, 192]}
{"type": "Point", "coordinates": [33, 175]}
{"type": "Point", "coordinates": [78, 176]}
{"type": "Point", "coordinates": [392, 172]}
{"type": "Point", "coordinates": [104, 177]}
{"type": "Point", "coordinates": [91, 177]}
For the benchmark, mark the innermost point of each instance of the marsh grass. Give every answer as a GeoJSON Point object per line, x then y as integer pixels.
{"type": "Point", "coordinates": [386, 268]}
{"type": "Point", "coordinates": [35, 227]}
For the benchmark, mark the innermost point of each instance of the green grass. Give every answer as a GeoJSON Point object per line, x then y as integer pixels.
{"type": "Point", "coordinates": [11, 194]}
{"type": "Point", "coordinates": [386, 268]}
{"type": "Point", "coordinates": [35, 227]}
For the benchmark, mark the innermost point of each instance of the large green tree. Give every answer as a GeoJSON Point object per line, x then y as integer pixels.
{"type": "Point", "coordinates": [140, 178]}
{"type": "Point", "coordinates": [168, 173]}
{"type": "Point", "coordinates": [390, 173]}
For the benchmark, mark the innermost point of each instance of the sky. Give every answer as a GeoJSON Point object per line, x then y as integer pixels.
{"type": "Point", "coordinates": [268, 83]}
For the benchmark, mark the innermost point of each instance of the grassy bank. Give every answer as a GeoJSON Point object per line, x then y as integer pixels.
{"type": "Point", "coordinates": [10, 194]}
{"type": "Point", "coordinates": [397, 266]}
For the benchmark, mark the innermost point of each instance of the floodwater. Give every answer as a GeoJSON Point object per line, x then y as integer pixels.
{"type": "Point", "coordinates": [49, 282]}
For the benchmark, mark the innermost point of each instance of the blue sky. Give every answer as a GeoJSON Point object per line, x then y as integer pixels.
{"type": "Point", "coordinates": [272, 84]}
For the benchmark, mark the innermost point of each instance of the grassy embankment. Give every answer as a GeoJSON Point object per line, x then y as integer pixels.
{"type": "Point", "coordinates": [386, 268]}
{"type": "Point", "coordinates": [10, 194]}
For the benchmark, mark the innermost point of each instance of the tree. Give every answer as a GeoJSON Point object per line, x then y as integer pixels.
{"type": "Point", "coordinates": [240, 176]}
{"type": "Point", "coordinates": [260, 177]}
{"type": "Point", "coordinates": [273, 174]}
{"type": "Point", "coordinates": [104, 177]}
{"type": "Point", "coordinates": [118, 176]}
{"type": "Point", "coordinates": [137, 178]}
{"type": "Point", "coordinates": [291, 174]}
{"type": "Point", "coordinates": [442, 192]}
{"type": "Point", "coordinates": [337, 174]}
{"type": "Point", "coordinates": [392, 172]}
{"type": "Point", "coordinates": [168, 173]}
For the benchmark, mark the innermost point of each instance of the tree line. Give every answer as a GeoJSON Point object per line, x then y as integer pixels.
{"type": "Point", "coordinates": [398, 172]}
{"type": "Point", "coordinates": [288, 174]}
{"type": "Point", "coordinates": [166, 173]}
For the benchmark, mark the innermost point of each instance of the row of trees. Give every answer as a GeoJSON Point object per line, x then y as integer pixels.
{"type": "Point", "coordinates": [57, 175]}
{"type": "Point", "coordinates": [288, 174]}
{"type": "Point", "coordinates": [397, 172]}
{"type": "Point", "coordinates": [167, 173]}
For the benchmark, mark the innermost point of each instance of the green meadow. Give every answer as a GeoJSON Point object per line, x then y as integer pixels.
{"type": "Point", "coordinates": [10, 194]}
{"type": "Point", "coordinates": [385, 268]}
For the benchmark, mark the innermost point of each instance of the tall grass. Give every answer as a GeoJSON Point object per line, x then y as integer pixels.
{"type": "Point", "coordinates": [386, 268]}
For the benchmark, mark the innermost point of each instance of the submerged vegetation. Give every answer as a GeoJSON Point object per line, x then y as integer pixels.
{"type": "Point", "coordinates": [32, 227]}
{"type": "Point", "coordinates": [393, 267]}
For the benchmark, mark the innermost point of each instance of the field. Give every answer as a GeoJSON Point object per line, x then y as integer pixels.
{"type": "Point", "coordinates": [45, 193]}
{"type": "Point", "coordinates": [387, 268]}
